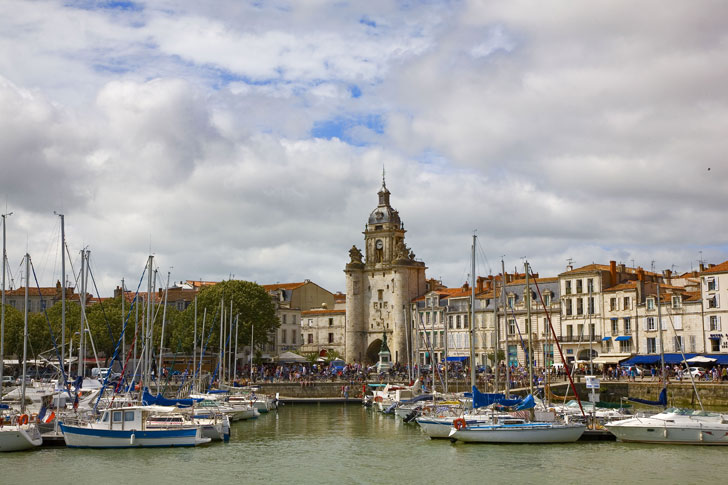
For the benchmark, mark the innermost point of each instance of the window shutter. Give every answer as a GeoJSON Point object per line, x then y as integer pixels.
{"type": "Point", "coordinates": [677, 321]}
{"type": "Point", "coordinates": [717, 300]}
{"type": "Point", "coordinates": [663, 323]}
{"type": "Point", "coordinates": [718, 322]}
{"type": "Point", "coordinates": [644, 323]}
{"type": "Point", "coordinates": [717, 278]}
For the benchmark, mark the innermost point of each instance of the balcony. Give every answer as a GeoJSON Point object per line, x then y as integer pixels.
{"type": "Point", "coordinates": [576, 338]}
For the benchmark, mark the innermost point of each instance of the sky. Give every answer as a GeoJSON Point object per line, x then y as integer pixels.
{"type": "Point", "coordinates": [247, 139]}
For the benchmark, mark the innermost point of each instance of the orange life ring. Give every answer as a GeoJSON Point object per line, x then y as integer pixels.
{"type": "Point", "coordinates": [23, 419]}
{"type": "Point", "coordinates": [378, 399]}
{"type": "Point", "coordinates": [459, 423]}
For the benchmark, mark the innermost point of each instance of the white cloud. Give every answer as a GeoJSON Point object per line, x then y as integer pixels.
{"type": "Point", "coordinates": [557, 130]}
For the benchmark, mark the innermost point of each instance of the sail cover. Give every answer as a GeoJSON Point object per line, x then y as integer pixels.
{"type": "Point", "coordinates": [486, 399]}
{"type": "Point", "coordinates": [160, 400]}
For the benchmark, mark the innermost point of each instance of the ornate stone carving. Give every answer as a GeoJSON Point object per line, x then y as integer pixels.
{"type": "Point", "coordinates": [355, 255]}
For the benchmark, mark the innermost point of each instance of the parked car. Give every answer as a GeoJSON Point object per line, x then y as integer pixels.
{"type": "Point", "coordinates": [697, 372]}
{"type": "Point", "coordinates": [8, 380]}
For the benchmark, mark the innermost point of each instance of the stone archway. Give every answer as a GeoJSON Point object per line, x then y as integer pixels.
{"type": "Point", "coordinates": [372, 356]}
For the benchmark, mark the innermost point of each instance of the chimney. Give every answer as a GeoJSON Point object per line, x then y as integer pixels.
{"type": "Point", "coordinates": [702, 267]}
{"type": "Point", "coordinates": [668, 275]}
{"type": "Point", "coordinates": [480, 280]}
{"type": "Point", "coordinates": [466, 286]}
{"type": "Point", "coordinates": [621, 268]}
{"type": "Point", "coordinates": [640, 274]}
{"type": "Point", "coordinates": [613, 272]}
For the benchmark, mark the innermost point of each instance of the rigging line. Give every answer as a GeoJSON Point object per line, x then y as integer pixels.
{"type": "Point", "coordinates": [556, 341]}
{"type": "Point", "coordinates": [428, 345]}
{"type": "Point", "coordinates": [101, 304]}
{"type": "Point", "coordinates": [50, 330]}
{"type": "Point", "coordinates": [118, 342]}
{"type": "Point", "coordinates": [684, 360]}
{"type": "Point", "coordinates": [518, 329]}
{"type": "Point", "coordinates": [485, 257]}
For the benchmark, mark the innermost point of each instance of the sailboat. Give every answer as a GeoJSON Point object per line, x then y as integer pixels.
{"type": "Point", "coordinates": [20, 433]}
{"type": "Point", "coordinates": [673, 425]}
{"type": "Point", "coordinates": [511, 429]}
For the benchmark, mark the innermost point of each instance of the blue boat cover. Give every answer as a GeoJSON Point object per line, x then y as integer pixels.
{"type": "Point", "coordinates": [4, 406]}
{"type": "Point", "coordinates": [148, 400]}
{"type": "Point", "coordinates": [527, 403]}
{"type": "Point", "coordinates": [218, 391]}
{"type": "Point", "coordinates": [662, 400]}
{"type": "Point", "coordinates": [482, 399]}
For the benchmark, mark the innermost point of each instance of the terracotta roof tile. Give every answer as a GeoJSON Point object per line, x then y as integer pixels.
{"type": "Point", "coordinates": [283, 286]}
{"type": "Point", "coordinates": [718, 268]}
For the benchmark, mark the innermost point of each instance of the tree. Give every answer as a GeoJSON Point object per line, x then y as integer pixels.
{"type": "Point", "coordinates": [250, 303]}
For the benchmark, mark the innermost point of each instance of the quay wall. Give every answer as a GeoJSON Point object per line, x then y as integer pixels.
{"type": "Point", "coordinates": [679, 393]}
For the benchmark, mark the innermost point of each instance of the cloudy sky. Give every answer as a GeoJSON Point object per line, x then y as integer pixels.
{"type": "Point", "coordinates": [247, 138]}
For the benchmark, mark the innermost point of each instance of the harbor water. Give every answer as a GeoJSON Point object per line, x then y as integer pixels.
{"type": "Point", "coordinates": [345, 444]}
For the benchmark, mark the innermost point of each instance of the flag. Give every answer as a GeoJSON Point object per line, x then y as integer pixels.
{"type": "Point", "coordinates": [49, 418]}
{"type": "Point", "coordinates": [41, 413]}
{"type": "Point", "coordinates": [75, 402]}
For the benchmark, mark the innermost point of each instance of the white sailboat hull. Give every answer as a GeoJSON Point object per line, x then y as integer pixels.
{"type": "Point", "coordinates": [519, 433]}
{"type": "Point", "coordinates": [19, 438]}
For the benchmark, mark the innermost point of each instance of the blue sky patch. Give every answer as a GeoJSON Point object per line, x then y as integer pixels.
{"type": "Point", "coordinates": [367, 21]}
{"type": "Point", "coordinates": [123, 5]}
{"type": "Point", "coordinates": [355, 91]}
{"type": "Point", "coordinates": [341, 127]}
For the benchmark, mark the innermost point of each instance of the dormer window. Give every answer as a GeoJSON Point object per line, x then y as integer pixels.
{"type": "Point", "coordinates": [676, 302]}
{"type": "Point", "coordinates": [650, 303]}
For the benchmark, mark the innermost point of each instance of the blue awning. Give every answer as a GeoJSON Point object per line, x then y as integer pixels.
{"type": "Point", "coordinates": [714, 337]}
{"type": "Point", "coordinates": [606, 338]}
{"type": "Point", "coordinates": [720, 359]}
{"type": "Point", "coordinates": [641, 360]}
{"type": "Point", "coordinates": [456, 359]}
{"type": "Point", "coordinates": [623, 338]}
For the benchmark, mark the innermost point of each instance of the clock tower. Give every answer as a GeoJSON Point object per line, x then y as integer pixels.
{"type": "Point", "coordinates": [380, 287]}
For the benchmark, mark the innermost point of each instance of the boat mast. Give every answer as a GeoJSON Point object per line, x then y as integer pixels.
{"type": "Point", "coordinates": [25, 333]}
{"type": "Point", "coordinates": [194, 348]}
{"type": "Point", "coordinates": [63, 289]}
{"type": "Point", "coordinates": [82, 338]}
{"type": "Point", "coordinates": [407, 339]}
{"type": "Point", "coordinates": [472, 319]}
{"type": "Point", "coordinates": [590, 309]}
{"type": "Point", "coordinates": [505, 324]}
{"type": "Point", "coordinates": [662, 343]}
{"type": "Point", "coordinates": [2, 311]}
{"type": "Point", "coordinates": [527, 301]}
{"type": "Point", "coordinates": [123, 337]}
{"type": "Point", "coordinates": [148, 323]}
{"type": "Point", "coordinates": [496, 360]}
{"type": "Point", "coordinates": [235, 360]}
{"type": "Point", "coordinates": [161, 339]}
{"type": "Point", "coordinates": [252, 332]}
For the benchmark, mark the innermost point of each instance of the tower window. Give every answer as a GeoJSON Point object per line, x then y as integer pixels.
{"type": "Point", "coordinates": [380, 295]}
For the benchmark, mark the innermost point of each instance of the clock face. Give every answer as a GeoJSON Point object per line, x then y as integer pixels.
{"type": "Point", "coordinates": [379, 244]}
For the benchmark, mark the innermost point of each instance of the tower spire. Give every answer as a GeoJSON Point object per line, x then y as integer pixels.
{"type": "Point", "coordinates": [384, 182]}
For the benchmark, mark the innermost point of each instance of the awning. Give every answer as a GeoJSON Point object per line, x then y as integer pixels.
{"type": "Point", "coordinates": [623, 338]}
{"type": "Point", "coordinates": [700, 359]}
{"type": "Point", "coordinates": [714, 337]}
{"type": "Point", "coordinates": [642, 359]}
{"type": "Point", "coordinates": [720, 359]}
{"type": "Point", "coordinates": [456, 359]}
{"type": "Point", "coordinates": [606, 338]}
{"type": "Point", "coordinates": [610, 358]}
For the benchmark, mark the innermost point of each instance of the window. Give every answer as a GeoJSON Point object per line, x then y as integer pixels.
{"type": "Point", "coordinates": [511, 301]}
{"type": "Point", "coordinates": [284, 336]}
{"type": "Point", "coordinates": [579, 287]}
{"type": "Point", "coordinates": [331, 338]}
{"type": "Point", "coordinates": [627, 325]}
{"type": "Point", "coordinates": [457, 322]}
{"type": "Point", "coordinates": [615, 326]}
{"type": "Point", "coordinates": [128, 416]}
{"type": "Point", "coordinates": [310, 322]}
{"type": "Point", "coordinates": [714, 302]}
{"type": "Point", "coordinates": [625, 346]}
{"type": "Point", "coordinates": [677, 343]}
{"type": "Point", "coordinates": [106, 418]}
{"type": "Point", "coordinates": [613, 304]}
{"type": "Point", "coordinates": [511, 326]}
{"type": "Point", "coordinates": [568, 287]}
{"type": "Point", "coordinates": [568, 306]}
{"type": "Point", "coordinates": [380, 295]}
{"type": "Point", "coordinates": [590, 285]}
{"type": "Point", "coordinates": [427, 317]}
{"type": "Point", "coordinates": [712, 286]}
{"type": "Point", "coordinates": [293, 336]}
{"type": "Point", "coordinates": [449, 321]}
{"type": "Point", "coordinates": [293, 319]}
{"type": "Point", "coordinates": [651, 323]}
{"type": "Point", "coordinates": [625, 303]}
{"type": "Point", "coordinates": [579, 306]}
{"type": "Point", "coordinates": [310, 338]}
{"type": "Point", "coordinates": [714, 345]}
{"type": "Point", "coordinates": [591, 305]}
{"type": "Point", "coordinates": [117, 416]}
{"type": "Point", "coordinates": [692, 343]}
{"type": "Point", "coordinates": [547, 299]}
{"type": "Point", "coordinates": [285, 318]}
{"type": "Point", "coordinates": [465, 321]}
{"type": "Point", "coordinates": [714, 322]}
{"type": "Point", "coordinates": [676, 302]}
{"type": "Point", "coordinates": [331, 322]}
{"type": "Point", "coordinates": [442, 339]}
{"type": "Point", "coordinates": [570, 331]}
{"type": "Point", "coordinates": [651, 345]}
{"type": "Point", "coordinates": [580, 330]}
{"type": "Point", "coordinates": [650, 303]}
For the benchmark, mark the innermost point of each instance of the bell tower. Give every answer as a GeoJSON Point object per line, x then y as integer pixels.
{"type": "Point", "coordinates": [380, 288]}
